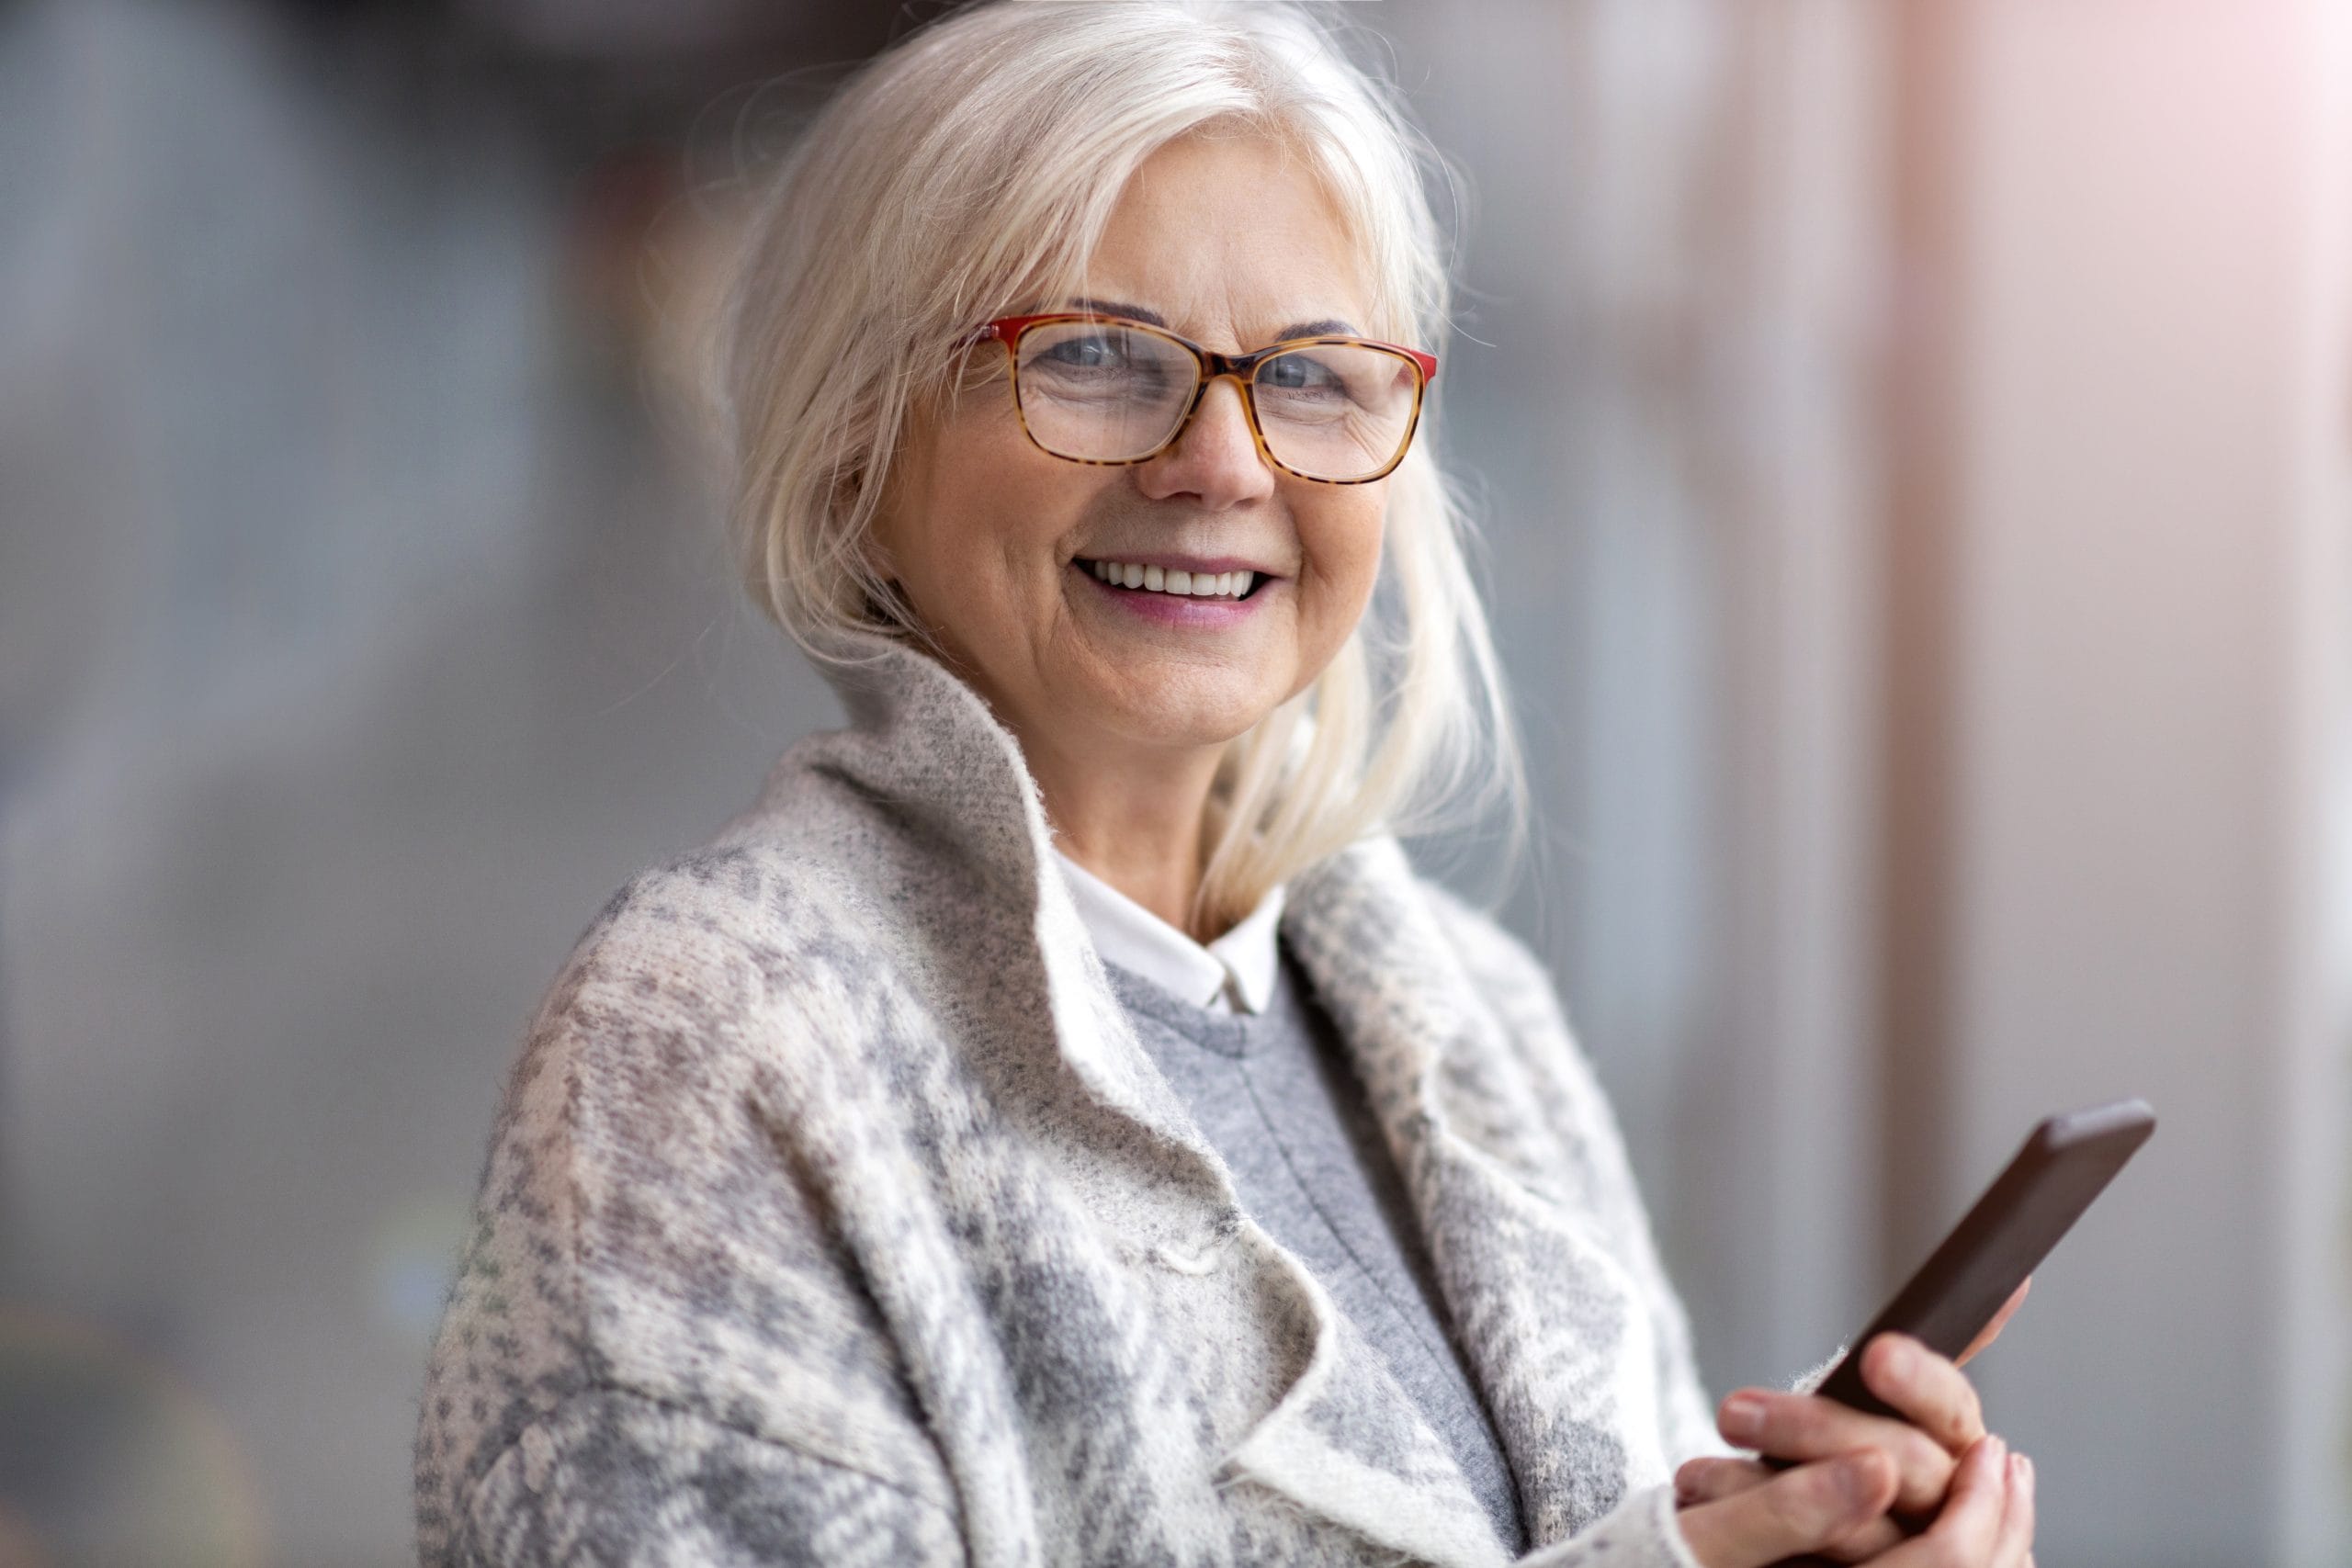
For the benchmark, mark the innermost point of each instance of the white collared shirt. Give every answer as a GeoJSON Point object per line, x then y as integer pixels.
{"type": "Point", "coordinates": [1233, 974]}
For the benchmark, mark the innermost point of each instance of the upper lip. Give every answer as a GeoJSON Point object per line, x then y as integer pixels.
{"type": "Point", "coordinates": [1196, 565]}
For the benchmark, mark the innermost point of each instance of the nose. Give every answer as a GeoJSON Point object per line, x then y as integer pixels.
{"type": "Point", "coordinates": [1215, 457]}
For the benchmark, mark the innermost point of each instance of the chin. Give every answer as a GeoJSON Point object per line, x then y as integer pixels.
{"type": "Point", "coordinates": [1203, 724]}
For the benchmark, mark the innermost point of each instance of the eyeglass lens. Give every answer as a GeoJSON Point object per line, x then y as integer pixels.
{"type": "Point", "coordinates": [1107, 393]}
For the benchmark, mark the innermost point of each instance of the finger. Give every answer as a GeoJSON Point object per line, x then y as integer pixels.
{"type": "Point", "coordinates": [2015, 1547]}
{"type": "Point", "coordinates": [1798, 1511]}
{"type": "Point", "coordinates": [1930, 1391]}
{"type": "Point", "coordinates": [1710, 1476]}
{"type": "Point", "coordinates": [1992, 1330]}
{"type": "Point", "coordinates": [1971, 1520]}
{"type": "Point", "coordinates": [1866, 1544]}
{"type": "Point", "coordinates": [1808, 1426]}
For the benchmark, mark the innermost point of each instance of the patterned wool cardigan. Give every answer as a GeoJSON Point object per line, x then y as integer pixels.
{"type": "Point", "coordinates": [834, 1213]}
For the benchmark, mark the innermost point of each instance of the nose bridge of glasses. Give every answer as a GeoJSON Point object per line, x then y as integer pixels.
{"type": "Point", "coordinates": [1240, 389]}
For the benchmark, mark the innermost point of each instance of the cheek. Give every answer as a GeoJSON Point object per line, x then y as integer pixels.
{"type": "Point", "coordinates": [1343, 544]}
{"type": "Point", "coordinates": [993, 508]}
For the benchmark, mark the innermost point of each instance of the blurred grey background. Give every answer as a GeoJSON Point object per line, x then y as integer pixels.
{"type": "Point", "coordinates": [1912, 447]}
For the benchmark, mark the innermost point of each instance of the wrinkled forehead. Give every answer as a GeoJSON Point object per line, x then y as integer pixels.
{"type": "Point", "coordinates": [1295, 327]}
{"type": "Point", "coordinates": [1232, 241]}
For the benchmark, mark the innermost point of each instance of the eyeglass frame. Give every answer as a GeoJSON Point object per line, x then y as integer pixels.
{"type": "Point", "coordinates": [1212, 365]}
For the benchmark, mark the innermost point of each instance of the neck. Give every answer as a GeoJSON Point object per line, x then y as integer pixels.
{"type": "Point", "coordinates": [1132, 818]}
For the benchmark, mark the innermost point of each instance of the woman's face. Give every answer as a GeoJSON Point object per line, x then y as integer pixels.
{"type": "Point", "coordinates": [993, 540]}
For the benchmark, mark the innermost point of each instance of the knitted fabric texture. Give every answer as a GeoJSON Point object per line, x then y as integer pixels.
{"type": "Point", "coordinates": [834, 1213]}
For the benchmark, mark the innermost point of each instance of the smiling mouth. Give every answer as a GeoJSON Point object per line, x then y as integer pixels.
{"type": "Point", "coordinates": [1173, 585]}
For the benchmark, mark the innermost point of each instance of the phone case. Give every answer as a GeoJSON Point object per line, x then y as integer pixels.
{"type": "Point", "coordinates": [2065, 1165]}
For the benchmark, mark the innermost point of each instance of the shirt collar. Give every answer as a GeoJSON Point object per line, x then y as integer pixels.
{"type": "Point", "coordinates": [1234, 972]}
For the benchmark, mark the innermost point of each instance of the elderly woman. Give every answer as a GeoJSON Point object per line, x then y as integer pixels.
{"type": "Point", "coordinates": [1054, 1124]}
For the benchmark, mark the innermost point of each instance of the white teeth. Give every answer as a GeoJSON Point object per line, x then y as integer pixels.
{"type": "Point", "coordinates": [1200, 585]}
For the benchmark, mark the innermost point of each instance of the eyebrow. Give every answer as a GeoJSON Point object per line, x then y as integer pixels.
{"type": "Point", "coordinates": [1327, 328]}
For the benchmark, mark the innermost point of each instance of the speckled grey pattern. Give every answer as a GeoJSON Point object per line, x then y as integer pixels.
{"type": "Point", "coordinates": [834, 1213]}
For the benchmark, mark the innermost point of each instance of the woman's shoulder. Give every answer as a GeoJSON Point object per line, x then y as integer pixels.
{"type": "Point", "coordinates": [682, 990]}
{"type": "Point", "coordinates": [702, 991]}
{"type": "Point", "coordinates": [710, 937]}
{"type": "Point", "coordinates": [1502, 968]}
{"type": "Point", "coordinates": [709, 990]}
{"type": "Point", "coordinates": [643, 1195]}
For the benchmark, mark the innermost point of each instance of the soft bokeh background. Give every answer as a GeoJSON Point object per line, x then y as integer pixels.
{"type": "Point", "coordinates": [1912, 443]}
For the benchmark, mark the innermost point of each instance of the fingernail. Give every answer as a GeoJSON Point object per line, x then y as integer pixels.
{"type": "Point", "coordinates": [1743, 1418]}
{"type": "Point", "coordinates": [1997, 1451]}
{"type": "Point", "coordinates": [2025, 1472]}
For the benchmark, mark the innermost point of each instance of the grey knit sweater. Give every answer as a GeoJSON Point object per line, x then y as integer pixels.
{"type": "Point", "coordinates": [834, 1213]}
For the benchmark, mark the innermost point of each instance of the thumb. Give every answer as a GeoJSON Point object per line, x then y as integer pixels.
{"type": "Point", "coordinates": [1802, 1509]}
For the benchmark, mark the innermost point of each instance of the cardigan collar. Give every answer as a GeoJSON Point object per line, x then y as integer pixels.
{"type": "Point", "coordinates": [1557, 1337]}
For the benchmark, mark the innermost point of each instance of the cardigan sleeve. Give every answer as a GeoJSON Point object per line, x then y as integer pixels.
{"type": "Point", "coordinates": [613, 1476]}
{"type": "Point", "coordinates": [1640, 1532]}
{"type": "Point", "coordinates": [1644, 1529]}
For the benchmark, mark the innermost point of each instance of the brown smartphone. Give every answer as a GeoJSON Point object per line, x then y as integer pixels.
{"type": "Point", "coordinates": [2066, 1163]}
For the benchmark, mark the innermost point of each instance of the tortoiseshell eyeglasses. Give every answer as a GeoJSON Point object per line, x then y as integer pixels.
{"type": "Point", "coordinates": [1102, 389]}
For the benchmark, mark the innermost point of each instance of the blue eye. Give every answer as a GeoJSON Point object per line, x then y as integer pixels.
{"type": "Point", "coordinates": [1085, 352]}
{"type": "Point", "coordinates": [1300, 372]}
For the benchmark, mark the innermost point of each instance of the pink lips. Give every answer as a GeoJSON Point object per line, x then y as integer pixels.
{"type": "Point", "coordinates": [1175, 609]}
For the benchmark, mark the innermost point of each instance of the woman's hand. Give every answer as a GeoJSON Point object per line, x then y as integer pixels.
{"type": "Point", "coordinates": [1942, 1421]}
{"type": "Point", "coordinates": [1786, 1514]}
{"type": "Point", "coordinates": [1987, 1523]}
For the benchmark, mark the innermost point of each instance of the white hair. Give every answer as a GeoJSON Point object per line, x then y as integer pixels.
{"type": "Point", "coordinates": [968, 172]}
